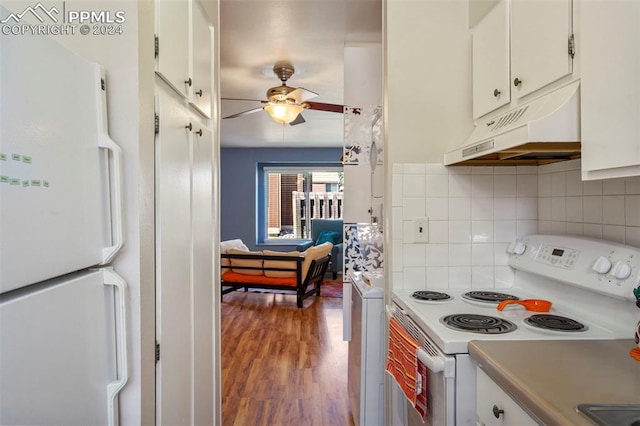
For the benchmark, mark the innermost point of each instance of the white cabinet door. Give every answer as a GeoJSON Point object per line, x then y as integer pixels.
{"type": "Point", "coordinates": [610, 92]}
{"type": "Point", "coordinates": [174, 380]}
{"type": "Point", "coordinates": [540, 32]}
{"type": "Point", "coordinates": [491, 85]}
{"type": "Point", "coordinates": [172, 32]}
{"type": "Point", "coordinates": [495, 407]}
{"type": "Point", "coordinates": [201, 60]}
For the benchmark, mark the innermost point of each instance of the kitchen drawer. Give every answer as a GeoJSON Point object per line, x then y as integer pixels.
{"type": "Point", "coordinates": [491, 399]}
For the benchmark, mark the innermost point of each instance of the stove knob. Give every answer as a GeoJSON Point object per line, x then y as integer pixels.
{"type": "Point", "coordinates": [621, 270]}
{"type": "Point", "coordinates": [602, 265]}
{"type": "Point", "coordinates": [517, 247]}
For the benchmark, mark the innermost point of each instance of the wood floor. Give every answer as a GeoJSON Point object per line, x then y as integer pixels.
{"type": "Point", "coordinates": [282, 365]}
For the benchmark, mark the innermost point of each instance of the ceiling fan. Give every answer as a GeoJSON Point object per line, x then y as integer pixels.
{"type": "Point", "coordinates": [284, 104]}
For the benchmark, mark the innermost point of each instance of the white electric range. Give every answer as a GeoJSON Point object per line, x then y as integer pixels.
{"type": "Point", "coordinates": [590, 286]}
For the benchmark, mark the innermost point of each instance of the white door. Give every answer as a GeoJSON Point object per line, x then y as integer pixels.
{"type": "Point", "coordinates": [174, 291]}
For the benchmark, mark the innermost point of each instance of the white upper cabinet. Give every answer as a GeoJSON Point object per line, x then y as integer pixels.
{"type": "Point", "coordinates": [184, 51]}
{"type": "Point", "coordinates": [610, 94]}
{"type": "Point", "coordinates": [172, 44]}
{"type": "Point", "coordinates": [540, 34]}
{"type": "Point", "coordinates": [519, 47]}
{"type": "Point", "coordinates": [491, 61]}
{"type": "Point", "coordinates": [201, 53]}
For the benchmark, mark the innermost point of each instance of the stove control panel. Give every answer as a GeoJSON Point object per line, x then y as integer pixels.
{"type": "Point", "coordinates": [603, 266]}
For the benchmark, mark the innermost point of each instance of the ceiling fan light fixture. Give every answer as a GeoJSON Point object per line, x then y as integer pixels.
{"type": "Point", "coordinates": [283, 112]}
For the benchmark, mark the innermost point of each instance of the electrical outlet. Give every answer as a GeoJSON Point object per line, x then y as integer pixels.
{"type": "Point", "coordinates": [421, 230]}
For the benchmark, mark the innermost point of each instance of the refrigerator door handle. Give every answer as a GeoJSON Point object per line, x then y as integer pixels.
{"type": "Point", "coordinates": [108, 144]}
{"type": "Point", "coordinates": [113, 388]}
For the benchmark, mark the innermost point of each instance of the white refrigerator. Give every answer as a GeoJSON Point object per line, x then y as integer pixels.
{"type": "Point", "coordinates": [63, 354]}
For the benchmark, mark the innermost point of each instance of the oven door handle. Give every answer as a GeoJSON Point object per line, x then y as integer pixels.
{"type": "Point", "coordinates": [433, 363]}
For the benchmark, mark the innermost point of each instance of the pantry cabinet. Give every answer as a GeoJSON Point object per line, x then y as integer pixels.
{"type": "Point", "coordinates": [495, 407]}
{"type": "Point", "coordinates": [519, 47]}
{"type": "Point", "coordinates": [610, 93]}
{"type": "Point", "coordinates": [183, 51]}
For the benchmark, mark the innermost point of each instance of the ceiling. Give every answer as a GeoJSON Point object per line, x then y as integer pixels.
{"type": "Point", "coordinates": [310, 35]}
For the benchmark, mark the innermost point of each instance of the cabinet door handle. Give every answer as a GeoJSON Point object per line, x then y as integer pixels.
{"type": "Point", "coordinates": [189, 127]}
{"type": "Point", "coordinates": [497, 411]}
{"type": "Point", "coordinates": [189, 82]}
{"type": "Point", "coordinates": [199, 132]}
{"type": "Point", "coordinates": [496, 93]}
{"type": "Point", "coordinates": [199, 93]}
{"type": "Point", "coordinates": [517, 82]}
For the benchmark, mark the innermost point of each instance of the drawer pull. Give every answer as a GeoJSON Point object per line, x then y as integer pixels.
{"type": "Point", "coordinates": [497, 412]}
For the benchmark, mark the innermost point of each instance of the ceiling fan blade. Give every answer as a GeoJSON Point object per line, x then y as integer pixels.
{"type": "Point", "coordinates": [240, 114]}
{"type": "Point", "coordinates": [319, 106]}
{"type": "Point", "coordinates": [299, 120]}
{"type": "Point", "coordinates": [241, 99]}
{"type": "Point", "coordinates": [301, 95]}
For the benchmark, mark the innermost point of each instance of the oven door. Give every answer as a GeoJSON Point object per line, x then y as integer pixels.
{"type": "Point", "coordinates": [439, 384]}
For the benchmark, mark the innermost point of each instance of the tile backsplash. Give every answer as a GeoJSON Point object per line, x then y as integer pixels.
{"type": "Point", "coordinates": [475, 212]}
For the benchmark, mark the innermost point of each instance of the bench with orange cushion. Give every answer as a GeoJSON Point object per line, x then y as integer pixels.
{"type": "Point", "coordinates": [295, 271]}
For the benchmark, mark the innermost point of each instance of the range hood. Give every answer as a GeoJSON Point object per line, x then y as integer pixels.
{"type": "Point", "coordinates": [542, 131]}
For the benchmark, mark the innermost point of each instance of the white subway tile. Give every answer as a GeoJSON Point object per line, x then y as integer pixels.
{"type": "Point", "coordinates": [500, 255]}
{"type": "Point", "coordinates": [397, 256]}
{"type": "Point", "coordinates": [527, 170]}
{"type": "Point", "coordinates": [459, 254]}
{"type": "Point", "coordinates": [558, 228]}
{"type": "Point", "coordinates": [504, 170]}
{"type": "Point", "coordinates": [459, 231]}
{"type": "Point", "coordinates": [573, 164]}
{"type": "Point", "coordinates": [437, 254]}
{"type": "Point", "coordinates": [398, 280]}
{"type": "Point", "coordinates": [415, 278]}
{"type": "Point", "coordinates": [574, 228]}
{"type": "Point", "coordinates": [504, 185]}
{"type": "Point", "coordinates": [592, 230]}
{"type": "Point", "coordinates": [413, 186]}
{"type": "Point", "coordinates": [459, 170]}
{"type": "Point", "coordinates": [396, 222]}
{"type": "Point", "coordinates": [544, 227]}
{"type": "Point", "coordinates": [482, 277]}
{"type": "Point", "coordinates": [482, 231]}
{"type": "Point", "coordinates": [407, 231]}
{"type": "Point", "coordinates": [613, 210]}
{"type": "Point", "coordinates": [460, 186]}
{"type": "Point", "coordinates": [527, 207]}
{"type": "Point", "coordinates": [436, 169]}
{"type": "Point", "coordinates": [504, 231]}
{"type": "Point", "coordinates": [544, 185]}
{"type": "Point", "coordinates": [481, 186]}
{"type": "Point", "coordinates": [574, 209]}
{"type": "Point", "coordinates": [414, 255]}
{"type": "Point", "coordinates": [592, 187]}
{"type": "Point", "coordinates": [527, 185]}
{"type": "Point", "coordinates": [397, 168]}
{"type": "Point", "coordinates": [574, 182]}
{"type": "Point", "coordinates": [437, 185]}
{"type": "Point", "coordinates": [545, 169]}
{"type": "Point", "coordinates": [560, 166]}
{"type": "Point", "coordinates": [482, 254]}
{"type": "Point", "coordinates": [527, 227]}
{"type": "Point", "coordinates": [438, 208]}
{"type": "Point", "coordinates": [558, 184]}
{"type": "Point", "coordinates": [459, 208]}
{"type": "Point", "coordinates": [413, 207]}
{"type": "Point", "coordinates": [592, 209]}
{"type": "Point", "coordinates": [438, 231]}
{"type": "Point", "coordinates": [613, 186]}
{"type": "Point", "coordinates": [460, 277]}
{"type": "Point", "coordinates": [632, 236]}
{"type": "Point", "coordinates": [632, 210]}
{"type": "Point", "coordinates": [437, 277]}
{"type": "Point", "coordinates": [632, 185]}
{"type": "Point", "coordinates": [482, 170]}
{"type": "Point", "coordinates": [614, 233]}
{"type": "Point", "coordinates": [559, 209]}
{"type": "Point", "coordinates": [544, 208]}
{"type": "Point", "coordinates": [481, 208]}
{"type": "Point", "coordinates": [504, 208]}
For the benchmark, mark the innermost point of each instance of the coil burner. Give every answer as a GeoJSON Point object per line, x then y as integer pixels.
{"type": "Point", "coordinates": [430, 296]}
{"type": "Point", "coordinates": [555, 323]}
{"type": "Point", "coordinates": [488, 296]}
{"type": "Point", "coordinates": [481, 324]}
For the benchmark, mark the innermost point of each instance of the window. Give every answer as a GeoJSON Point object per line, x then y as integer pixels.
{"type": "Point", "coordinates": [291, 195]}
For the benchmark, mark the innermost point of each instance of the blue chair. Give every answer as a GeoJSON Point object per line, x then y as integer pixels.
{"type": "Point", "coordinates": [323, 230]}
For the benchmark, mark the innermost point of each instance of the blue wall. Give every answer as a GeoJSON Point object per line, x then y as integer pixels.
{"type": "Point", "coordinates": [238, 186]}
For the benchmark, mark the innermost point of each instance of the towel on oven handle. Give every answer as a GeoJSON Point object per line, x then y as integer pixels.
{"type": "Point", "coordinates": [403, 364]}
